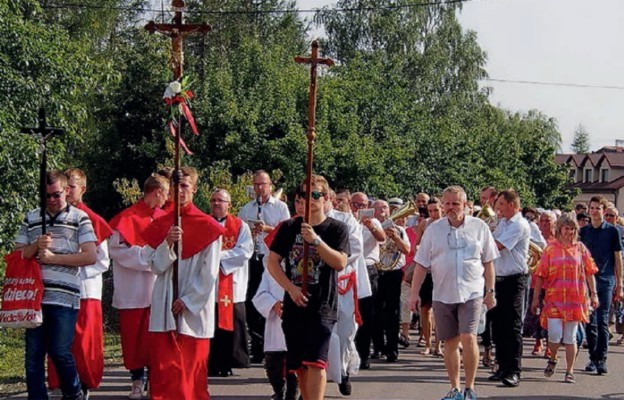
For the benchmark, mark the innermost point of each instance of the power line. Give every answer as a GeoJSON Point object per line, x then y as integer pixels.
{"type": "Point", "coordinates": [563, 84]}
{"type": "Point", "coordinates": [258, 11]}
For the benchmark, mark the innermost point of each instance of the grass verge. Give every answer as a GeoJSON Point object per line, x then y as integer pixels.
{"type": "Point", "coordinates": [12, 377]}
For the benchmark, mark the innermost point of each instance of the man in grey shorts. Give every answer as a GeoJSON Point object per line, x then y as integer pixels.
{"type": "Point", "coordinates": [459, 251]}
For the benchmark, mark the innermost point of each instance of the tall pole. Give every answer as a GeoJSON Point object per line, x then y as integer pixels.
{"type": "Point", "coordinates": [313, 60]}
{"type": "Point", "coordinates": [43, 132]}
{"type": "Point", "coordinates": [177, 31]}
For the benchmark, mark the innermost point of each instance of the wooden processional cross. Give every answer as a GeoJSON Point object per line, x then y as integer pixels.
{"type": "Point", "coordinates": [177, 31]}
{"type": "Point", "coordinates": [313, 60]}
{"type": "Point", "coordinates": [44, 132]}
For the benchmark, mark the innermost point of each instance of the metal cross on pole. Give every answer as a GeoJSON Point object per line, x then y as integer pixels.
{"type": "Point", "coordinates": [177, 31]}
{"type": "Point", "coordinates": [43, 132]}
{"type": "Point", "coordinates": [313, 60]}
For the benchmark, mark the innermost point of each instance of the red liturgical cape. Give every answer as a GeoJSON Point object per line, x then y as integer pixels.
{"type": "Point", "coordinates": [199, 230]}
{"type": "Point", "coordinates": [101, 228]}
{"type": "Point", "coordinates": [132, 221]}
{"type": "Point", "coordinates": [225, 302]}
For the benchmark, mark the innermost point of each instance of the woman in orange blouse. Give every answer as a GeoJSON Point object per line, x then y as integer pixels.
{"type": "Point", "coordinates": [566, 269]}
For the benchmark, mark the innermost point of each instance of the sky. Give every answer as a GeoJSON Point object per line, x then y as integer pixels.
{"type": "Point", "coordinates": [578, 42]}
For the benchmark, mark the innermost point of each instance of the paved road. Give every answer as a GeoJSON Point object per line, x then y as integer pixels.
{"type": "Point", "coordinates": [414, 376]}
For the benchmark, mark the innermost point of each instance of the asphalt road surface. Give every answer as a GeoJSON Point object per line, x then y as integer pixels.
{"type": "Point", "coordinates": [414, 377]}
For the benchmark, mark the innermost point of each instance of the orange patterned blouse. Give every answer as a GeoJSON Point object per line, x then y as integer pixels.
{"type": "Point", "coordinates": [563, 269]}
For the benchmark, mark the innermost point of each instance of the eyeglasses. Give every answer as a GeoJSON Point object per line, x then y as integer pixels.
{"type": "Point", "coordinates": [218, 201]}
{"type": "Point", "coordinates": [315, 195]}
{"type": "Point", "coordinates": [610, 215]}
{"type": "Point", "coordinates": [355, 204]}
{"type": "Point", "coordinates": [56, 195]}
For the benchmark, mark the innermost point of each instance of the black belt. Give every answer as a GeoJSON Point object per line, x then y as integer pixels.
{"type": "Point", "coordinates": [508, 277]}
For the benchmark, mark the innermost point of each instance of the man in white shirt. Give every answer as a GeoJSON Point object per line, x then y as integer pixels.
{"type": "Point", "coordinates": [459, 251]}
{"type": "Point", "coordinates": [343, 357]}
{"type": "Point", "coordinates": [388, 300]}
{"type": "Point", "coordinates": [512, 237]}
{"type": "Point", "coordinates": [229, 345]}
{"type": "Point", "coordinates": [372, 235]}
{"type": "Point", "coordinates": [264, 213]}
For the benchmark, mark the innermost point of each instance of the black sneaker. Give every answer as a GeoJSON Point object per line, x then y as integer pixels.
{"type": "Point", "coordinates": [392, 356]}
{"type": "Point", "coordinates": [590, 367]}
{"type": "Point", "coordinates": [601, 367]}
{"type": "Point", "coordinates": [403, 341]}
{"type": "Point", "coordinates": [365, 364]}
{"type": "Point", "coordinates": [344, 387]}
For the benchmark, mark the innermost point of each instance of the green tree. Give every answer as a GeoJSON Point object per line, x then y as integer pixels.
{"type": "Point", "coordinates": [40, 66]}
{"type": "Point", "coordinates": [580, 143]}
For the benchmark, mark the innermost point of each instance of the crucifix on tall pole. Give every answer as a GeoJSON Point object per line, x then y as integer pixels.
{"type": "Point", "coordinates": [314, 60]}
{"type": "Point", "coordinates": [177, 30]}
{"type": "Point", "coordinates": [43, 132]}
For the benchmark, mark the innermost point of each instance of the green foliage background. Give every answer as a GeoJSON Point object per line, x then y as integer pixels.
{"type": "Point", "coordinates": [401, 112]}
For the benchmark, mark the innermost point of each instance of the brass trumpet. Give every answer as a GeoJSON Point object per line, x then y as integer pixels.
{"type": "Point", "coordinates": [533, 259]}
{"type": "Point", "coordinates": [389, 256]}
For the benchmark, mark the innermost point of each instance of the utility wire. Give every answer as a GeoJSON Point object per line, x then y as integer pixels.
{"type": "Point", "coordinates": [240, 12]}
{"type": "Point", "coordinates": [563, 84]}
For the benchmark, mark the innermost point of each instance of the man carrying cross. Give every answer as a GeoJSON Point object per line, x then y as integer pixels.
{"type": "Point", "coordinates": [181, 326]}
{"type": "Point", "coordinates": [308, 317]}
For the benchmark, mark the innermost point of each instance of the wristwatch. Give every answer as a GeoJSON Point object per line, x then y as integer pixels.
{"type": "Point", "coordinates": [316, 241]}
{"type": "Point", "coordinates": [490, 291]}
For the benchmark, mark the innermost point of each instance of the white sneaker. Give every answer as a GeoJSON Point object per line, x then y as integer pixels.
{"type": "Point", "coordinates": [137, 390]}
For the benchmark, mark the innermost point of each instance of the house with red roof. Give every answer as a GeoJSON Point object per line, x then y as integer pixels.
{"type": "Point", "coordinates": [597, 173]}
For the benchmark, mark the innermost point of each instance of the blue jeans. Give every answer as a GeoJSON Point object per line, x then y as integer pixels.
{"type": "Point", "coordinates": [54, 337]}
{"type": "Point", "coordinates": [598, 326]}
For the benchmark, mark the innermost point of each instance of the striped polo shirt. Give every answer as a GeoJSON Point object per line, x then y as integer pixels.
{"type": "Point", "coordinates": [69, 229]}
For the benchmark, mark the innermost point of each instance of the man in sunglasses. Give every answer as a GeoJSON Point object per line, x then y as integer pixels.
{"type": "Point", "coordinates": [88, 345]}
{"type": "Point", "coordinates": [605, 245]}
{"type": "Point", "coordinates": [308, 318]}
{"type": "Point", "coordinates": [68, 245]}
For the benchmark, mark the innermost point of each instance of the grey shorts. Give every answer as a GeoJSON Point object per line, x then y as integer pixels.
{"type": "Point", "coordinates": [453, 319]}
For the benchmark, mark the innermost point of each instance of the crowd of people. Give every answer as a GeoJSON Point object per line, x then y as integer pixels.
{"type": "Point", "coordinates": [315, 298]}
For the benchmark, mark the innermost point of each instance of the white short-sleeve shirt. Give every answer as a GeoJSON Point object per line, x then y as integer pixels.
{"type": "Point", "coordinates": [455, 257]}
{"type": "Point", "coordinates": [513, 233]}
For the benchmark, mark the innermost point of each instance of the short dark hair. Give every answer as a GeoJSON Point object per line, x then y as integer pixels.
{"type": "Point", "coordinates": [54, 176]}
{"type": "Point", "coordinates": [600, 200]}
{"type": "Point", "coordinates": [510, 196]}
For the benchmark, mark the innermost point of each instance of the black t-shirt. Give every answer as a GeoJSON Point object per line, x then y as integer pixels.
{"type": "Point", "coordinates": [288, 243]}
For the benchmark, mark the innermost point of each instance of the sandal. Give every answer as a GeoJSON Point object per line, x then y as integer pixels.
{"type": "Point", "coordinates": [426, 351]}
{"type": "Point", "coordinates": [487, 360]}
{"type": "Point", "coordinates": [569, 378]}
{"type": "Point", "coordinates": [551, 365]}
{"type": "Point", "coordinates": [620, 340]}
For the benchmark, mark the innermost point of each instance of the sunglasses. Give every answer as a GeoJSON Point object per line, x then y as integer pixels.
{"type": "Point", "coordinates": [610, 215]}
{"type": "Point", "coordinates": [315, 195]}
{"type": "Point", "coordinates": [56, 195]}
